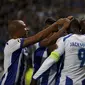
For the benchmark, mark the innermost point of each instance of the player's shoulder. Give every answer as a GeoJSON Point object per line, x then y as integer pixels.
{"type": "Point", "coordinates": [12, 45]}
{"type": "Point", "coordinates": [60, 40]}
{"type": "Point", "coordinates": [63, 38]}
{"type": "Point", "coordinates": [13, 41]}
{"type": "Point", "coordinates": [67, 36]}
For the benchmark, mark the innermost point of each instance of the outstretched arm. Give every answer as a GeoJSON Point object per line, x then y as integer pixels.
{"type": "Point", "coordinates": [54, 57]}
{"type": "Point", "coordinates": [46, 65]}
{"type": "Point", "coordinates": [51, 40]}
{"type": "Point", "coordinates": [44, 33]}
{"type": "Point", "coordinates": [41, 35]}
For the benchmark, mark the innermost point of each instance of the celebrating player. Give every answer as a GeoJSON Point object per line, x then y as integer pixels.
{"type": "Point", "coordinates": [73, 46]}
{"type": "Point", "coordinates": [14, 67]}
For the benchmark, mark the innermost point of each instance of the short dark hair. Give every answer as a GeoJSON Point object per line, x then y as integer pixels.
{"type": "Point", "coordinates": [74, 24]}
{"type": "Point", "coordinates": [50, 20]}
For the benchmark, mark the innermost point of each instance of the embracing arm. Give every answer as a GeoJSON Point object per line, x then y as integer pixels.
{"type": "Point", "coordinates": [51, 40]}
{"type": "Point", "coordinates": [44, 33]}
{"type": "Point", "coordinates": [53, 58]}
{"type": "Point", "coordinates": [41, 35]}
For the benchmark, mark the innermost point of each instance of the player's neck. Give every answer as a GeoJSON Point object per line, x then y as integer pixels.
{"type": "Point", "coordinates": [13, 37]}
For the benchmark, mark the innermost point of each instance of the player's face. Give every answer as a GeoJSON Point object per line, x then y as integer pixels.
{"type": "Point", "coordinates": [83, 27]}
{"type": "Point", "coordinates": [24, 30]}
{"type": "Point", "coordinates": [27, 31]}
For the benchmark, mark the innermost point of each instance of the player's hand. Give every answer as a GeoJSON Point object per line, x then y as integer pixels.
{"type": "Point", "coordinates": [70, 17]}
{"type": "Point", "coordinates": [60, 21]}
{"type": "Point", "coordinates": [66, 23]}
{"type": "Point", "coordinates": [33, 82]}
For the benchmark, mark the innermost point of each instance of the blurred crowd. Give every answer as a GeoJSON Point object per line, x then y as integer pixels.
{"type": "Point", "coordinates": [34, 12]}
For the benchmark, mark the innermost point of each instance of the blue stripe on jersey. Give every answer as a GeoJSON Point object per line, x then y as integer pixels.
{"type": "Point", "coordinates": [38, 54]}
{"type": "Point", "coordinates": [12, 70]}
{"type": "Point", "coordinates": [67, 37]}
{"type": "Point", "coordinates": [83, 82]}
{"type": "Point", "coordinates": [21, 67]}
{"type": "Point", "coordinates": [38, 58]}
{"type": "Point", "coordinates": [68, 81]}
{"type": "Point", "coordinates": [22, 41]}
{"type": "Point", "coordinates": [21, 72]}
{"type": "Point", "coordinates": [45, 77]}
{"type": "Point", "coordinates": [60, 65]}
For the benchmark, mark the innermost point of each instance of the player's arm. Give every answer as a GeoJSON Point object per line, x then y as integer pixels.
{"type": "Point", "coordinates": [41, 35]}
{"type": "Point", "coordinates": [44, 33]}
{"type": "Point", "coordinates": [53, 58]}
{"type": "Point", "coordinates": [51, 40]}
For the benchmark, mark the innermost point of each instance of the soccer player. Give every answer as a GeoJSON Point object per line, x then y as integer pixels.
{"type": "Point", "coordinates": [40, 54]}
{"type": "Point", "coordinates": [14, 69]}
{"type": "Point", "coordinates": [73, 72]}
{"type": "Point", "coordinates": [44, 48]}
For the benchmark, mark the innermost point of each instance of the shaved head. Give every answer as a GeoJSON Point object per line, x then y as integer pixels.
{"type": "Point", "coordinates": [16, 26]}
{"type": "Point", "coordinates": [74, 26]}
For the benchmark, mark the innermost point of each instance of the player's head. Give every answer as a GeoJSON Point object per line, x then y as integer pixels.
{"type": "Point", "coordinates": [74, 27]}
{"type": "Point", "coordinates": [17, 28]}
{"type": "Point", "coordinates": [49, 21]}
{"type": "Point", "coordinates": [82, 23]}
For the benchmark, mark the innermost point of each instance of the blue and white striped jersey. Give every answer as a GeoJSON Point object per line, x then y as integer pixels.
{"type": "Point", "coordinates": [73, 72]}
{"type": "Point", "coordinates": [14, 63]}
{"type": "Point", "coordinates": [49, 77]}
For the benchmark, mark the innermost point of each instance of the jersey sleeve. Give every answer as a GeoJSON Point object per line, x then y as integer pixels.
{"type": "Point", "coordinates": [44, 67]}
{"type": "Point", "coordinates": [54, 57]}
{"type": "Point", "coordinates": [59, 51]}
{"type": "Point", "coordinates": [15, 44]}
{"type": "Point", "coordinates": [60, 44]}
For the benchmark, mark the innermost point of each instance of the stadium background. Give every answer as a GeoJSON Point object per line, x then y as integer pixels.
{"type": "Point", "coordinates": [34, 13]}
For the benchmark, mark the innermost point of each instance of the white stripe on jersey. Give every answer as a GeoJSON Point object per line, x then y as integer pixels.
{"type": "Point", "coordinates": [18, 70]}
{"type": "Point", "coordinates": [4, 79]}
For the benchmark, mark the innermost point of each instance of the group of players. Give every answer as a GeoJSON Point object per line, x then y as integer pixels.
{"type": "Point", "coordinates": [62, 52]}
